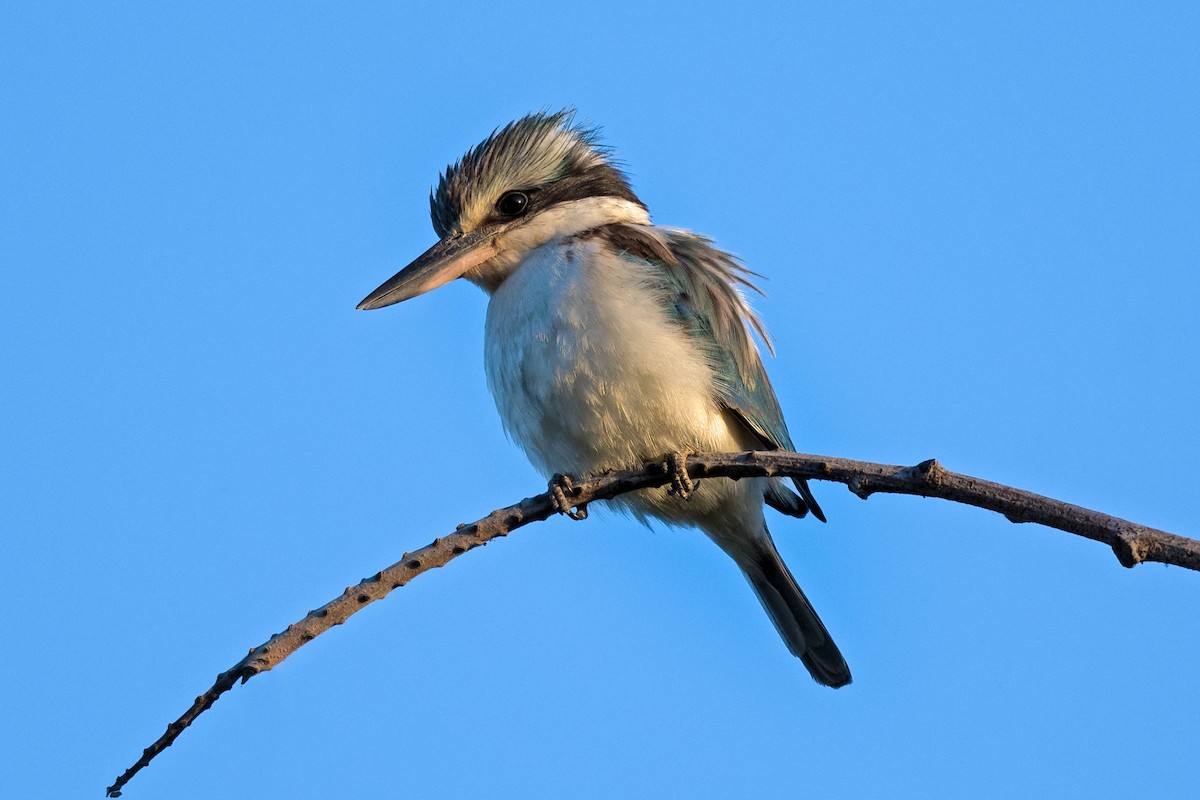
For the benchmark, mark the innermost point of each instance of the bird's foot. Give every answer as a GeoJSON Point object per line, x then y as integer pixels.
{"type": "Point", "coordinates": [681, 483]}
{"type": "Point", "coordinates": [560, 487]}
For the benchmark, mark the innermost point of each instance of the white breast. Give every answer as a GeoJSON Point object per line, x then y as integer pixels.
{"type": "Point", "coordinates": [587, 369]}
{"type": "Point", "coordinates": [590, 373]}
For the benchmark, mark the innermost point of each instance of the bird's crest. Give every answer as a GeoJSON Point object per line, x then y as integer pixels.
{"type": "Point", "coordinates": [530, 153]}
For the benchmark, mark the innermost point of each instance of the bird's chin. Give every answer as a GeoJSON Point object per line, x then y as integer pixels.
{"type": "Point", "coordinates": [495, 271]}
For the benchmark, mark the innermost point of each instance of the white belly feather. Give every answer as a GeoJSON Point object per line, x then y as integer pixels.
{"type": "Point", "coordinates": [590, 373]}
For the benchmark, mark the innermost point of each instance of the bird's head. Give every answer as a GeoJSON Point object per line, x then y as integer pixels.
{"type": "Point", "coordinates": [530, 182]}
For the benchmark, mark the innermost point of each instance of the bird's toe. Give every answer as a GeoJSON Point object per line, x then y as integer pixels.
{"type": "Point", "coordinates": [561, 486]}
{"type": "Point", "coordinates": [681, 482]}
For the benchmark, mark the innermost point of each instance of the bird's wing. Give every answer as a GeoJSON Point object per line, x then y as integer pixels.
{"type": "Point", "coordinates": [702, 286]}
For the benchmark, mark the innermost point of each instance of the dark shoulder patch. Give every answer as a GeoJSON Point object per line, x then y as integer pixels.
{"type": "Point", "coordinates": [639, 241]}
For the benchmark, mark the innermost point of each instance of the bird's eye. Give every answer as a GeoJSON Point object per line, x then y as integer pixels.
{"type": "Point", "coordinates": [512, 204]}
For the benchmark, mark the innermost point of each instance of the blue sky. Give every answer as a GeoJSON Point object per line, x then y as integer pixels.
{"type": "Point", "coordinates": [979, 229]}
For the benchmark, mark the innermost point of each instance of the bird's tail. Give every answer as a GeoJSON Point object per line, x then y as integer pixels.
{"type": "Point", "coordinates": [794, 617]}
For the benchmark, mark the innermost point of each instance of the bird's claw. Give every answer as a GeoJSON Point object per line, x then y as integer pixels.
{"type": "Point", "coordinates": [560, 486]}
{"type": "Point", "coordinates": [681, 483]}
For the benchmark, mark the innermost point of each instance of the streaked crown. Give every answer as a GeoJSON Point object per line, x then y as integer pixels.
{"type": "Point", "coordinates": [548, 157]}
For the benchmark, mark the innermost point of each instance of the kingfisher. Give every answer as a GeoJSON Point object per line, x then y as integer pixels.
{"type": "Point", "coordinates": [611, 341]}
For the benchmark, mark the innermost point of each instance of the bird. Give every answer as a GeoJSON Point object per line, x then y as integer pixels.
{"type": "Point", "coordinates": [610, 341]}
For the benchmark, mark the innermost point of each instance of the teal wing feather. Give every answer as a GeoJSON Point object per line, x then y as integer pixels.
{"type": "Point", "coordinates": [702, 286]}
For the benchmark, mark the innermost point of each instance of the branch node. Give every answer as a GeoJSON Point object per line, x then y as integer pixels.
{"type": "Point", "coordinates": [1129, 550]}
{"type": "Point", "coordinates": [930, 472]}
{"type": "Point", "coordinates": [860, 486]}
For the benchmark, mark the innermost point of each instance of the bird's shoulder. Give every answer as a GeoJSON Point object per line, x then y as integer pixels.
{"type": "Point", "coordinates": [702, 287]}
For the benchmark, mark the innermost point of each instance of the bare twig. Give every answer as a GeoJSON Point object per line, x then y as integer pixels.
{"type": "Point", "coordinates": [1132, 543]}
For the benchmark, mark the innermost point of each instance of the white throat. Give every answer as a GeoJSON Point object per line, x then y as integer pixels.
{"type": "Point", "coordinates": [560, 221]}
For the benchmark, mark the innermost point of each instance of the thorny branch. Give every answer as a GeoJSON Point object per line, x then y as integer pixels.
{"type": "Point", "coordinates": [1132, 543]}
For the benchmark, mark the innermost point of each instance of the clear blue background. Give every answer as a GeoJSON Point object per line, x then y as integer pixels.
{"type": "Point", "coordinates": [980, 229]}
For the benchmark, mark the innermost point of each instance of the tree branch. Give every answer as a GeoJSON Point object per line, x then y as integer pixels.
{"type": "Point", "coordinates": [1132, 543]}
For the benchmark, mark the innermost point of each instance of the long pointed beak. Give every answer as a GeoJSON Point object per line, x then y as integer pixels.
{"type": "Point", "coordinates": [437, 266]}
